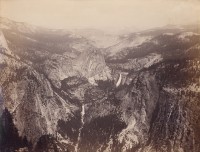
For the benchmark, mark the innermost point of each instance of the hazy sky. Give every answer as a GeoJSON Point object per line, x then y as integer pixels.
{"type": "Point", "coordinates": [102, 13]}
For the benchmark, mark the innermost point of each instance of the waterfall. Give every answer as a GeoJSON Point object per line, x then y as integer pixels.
{"type": "Point", "coordinates": [80, 129]}
{"type": "Point", "coordinates": [119, 80]}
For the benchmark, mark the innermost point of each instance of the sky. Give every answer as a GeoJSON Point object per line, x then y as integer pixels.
{"type": "Point", "coordinates": [140, 14]}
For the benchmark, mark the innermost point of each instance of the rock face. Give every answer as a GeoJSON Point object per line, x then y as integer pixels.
{"type": "Point", "coordinates": [91, 64]}
{"type": "Point", "coordinates": [143, 97]}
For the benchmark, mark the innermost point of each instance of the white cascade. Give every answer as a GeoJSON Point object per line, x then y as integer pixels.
{"type": "Point", "coordinates": [82, 123]}
{"type": "Point", "coordinates": [119, 80]}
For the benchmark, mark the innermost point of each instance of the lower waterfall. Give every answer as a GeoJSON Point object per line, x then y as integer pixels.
{"type": "Point", "coordinates": [82, 123]}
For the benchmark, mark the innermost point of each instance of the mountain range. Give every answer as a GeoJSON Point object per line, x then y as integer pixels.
{"type": "Point", "coordinates": [89, 91]}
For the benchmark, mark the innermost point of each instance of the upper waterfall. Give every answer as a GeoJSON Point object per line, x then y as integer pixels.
{"type": "Point", "coordinates": [119, 80]}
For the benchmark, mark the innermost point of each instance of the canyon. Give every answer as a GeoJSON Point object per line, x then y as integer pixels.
{"type": "Point", "coordinates": [61, 92]}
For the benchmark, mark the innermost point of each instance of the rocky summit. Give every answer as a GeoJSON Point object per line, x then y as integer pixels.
{"type": "Point", "coordinates": [60, 92]}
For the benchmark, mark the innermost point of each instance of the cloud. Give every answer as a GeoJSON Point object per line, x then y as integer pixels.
{"type": "Point", "coordinates": [101, 13]}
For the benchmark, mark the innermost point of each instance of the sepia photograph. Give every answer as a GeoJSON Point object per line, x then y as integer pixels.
{"type": "Point", "coordinates": [99, 75]}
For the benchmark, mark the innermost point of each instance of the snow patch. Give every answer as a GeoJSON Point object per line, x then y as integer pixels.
{"type": "Point", "coordinates": [187, 34]}
{"type": "Point", "coordinates": [192, 87]}
{"type": "Point", "coordinates": [28, 38]}
{"type": "Point", "coordinates": [154, 58]}
{"type": "Point", "coordinates": [168, 34]}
